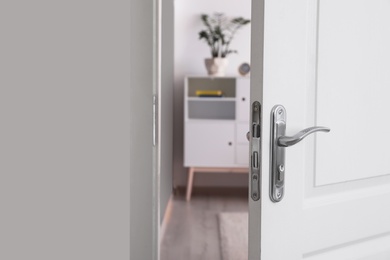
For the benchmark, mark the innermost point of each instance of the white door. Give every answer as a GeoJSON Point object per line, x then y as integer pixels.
{"type": "Point", "coordinates": [328, 63]}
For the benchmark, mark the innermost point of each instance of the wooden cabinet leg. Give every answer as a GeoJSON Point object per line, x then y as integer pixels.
{"type": "Point", "coordinates": [190, 182]}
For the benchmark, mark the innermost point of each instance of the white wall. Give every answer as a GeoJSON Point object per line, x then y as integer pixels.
{"type": "Point", "coordinates": [190, 53]}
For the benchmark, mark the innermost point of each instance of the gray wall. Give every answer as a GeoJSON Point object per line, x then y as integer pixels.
{"type": "Point", "coordinates": [65, 124]}
{"type": "Point", "coordinates": [166, 105]}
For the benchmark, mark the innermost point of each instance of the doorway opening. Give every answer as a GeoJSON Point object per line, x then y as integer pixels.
{"type": "Point", "coordinates": [211, 221]}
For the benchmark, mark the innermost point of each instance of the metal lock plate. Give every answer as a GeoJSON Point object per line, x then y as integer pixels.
{"type": "Point", "coordinates": [255, 141]}
{"type": "Point", "coordinates": [278, 129]}
{"type": "Point", "coordinates": [279, 142]}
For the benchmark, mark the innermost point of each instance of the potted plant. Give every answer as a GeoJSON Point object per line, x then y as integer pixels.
{"type": "Point", "coordinates": [219, 33]}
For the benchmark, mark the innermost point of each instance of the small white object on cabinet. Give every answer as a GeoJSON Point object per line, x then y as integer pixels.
{"type": "Point", "coordinates": [215, 125]}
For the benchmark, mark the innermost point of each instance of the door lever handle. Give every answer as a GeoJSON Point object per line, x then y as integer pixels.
{"type": "Point", "coordinates": [279, 142]}
{"type": "Point", "coordinates": [286, 141]}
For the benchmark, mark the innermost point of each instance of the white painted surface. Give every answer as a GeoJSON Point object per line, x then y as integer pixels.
{"type": "Point", "coordinates": [207, 144]}
{"type": "Point", "coordinates": [210, 139]}
{"type": "Point", "coordinates": [241, 130]}
{"type": "Point", "coordinates": [242, 154]}
{"type": "Point", "coordinates": [332, 72]}
{"type": "Point", "coordinates": [189, 60]}
{"type": "Point", "coordinates": [243, 98]}
{"type": "Point", "coordinates": [351, 90]}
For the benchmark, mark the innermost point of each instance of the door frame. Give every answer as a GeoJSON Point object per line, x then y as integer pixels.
{"type": "Point", "coordinates": [155, 8]}
{"type": "Point", "coordinates": [145, 31]}
{"type": "Point", "coordinates": [256, 94]}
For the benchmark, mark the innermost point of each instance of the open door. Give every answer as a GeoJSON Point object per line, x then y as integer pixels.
{"type": "Point", "coordinates": [327, 63]}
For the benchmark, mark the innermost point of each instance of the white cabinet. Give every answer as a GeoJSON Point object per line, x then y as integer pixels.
{"type": "Point", "coordinates": [216, 120]}
{"type": "Point", "coordinates": [242, 99]}
{"type": "Point", "coordinates": [209, 144]}
{"type": "Point", "coordinates": [242, 144]}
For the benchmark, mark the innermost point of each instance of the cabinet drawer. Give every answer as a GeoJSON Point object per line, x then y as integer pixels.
{"type": "Point", "coordinates": [241, 130]}
{"type": "Point", "coordinates": [242, 154]}
{"type": "Point", "coordinates": [211, 109]}
{"type": "Point", "coordinates": [209, 144]}
{"type": "Point", "coordinates": [243, 100]}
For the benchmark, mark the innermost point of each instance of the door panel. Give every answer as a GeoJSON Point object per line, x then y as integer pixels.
{"type": "Point", "coordinates": [243, 97]}
{"type": "Point", "coordinates": [347, 222]}
{"type": "Point", "coordinates": [241, 155]}
{"type": "Point", "coordinates": [375, 249]}
{"type": "Point", "coordinates": [209, 144]}
{"type": "Point", "coordinates": [241, 131]}
{"type": "Point", "coordinates": [327, 63]}
{"type": "Point", "coordinates": [353, 72]}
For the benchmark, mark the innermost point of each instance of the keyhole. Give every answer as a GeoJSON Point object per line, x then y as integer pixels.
{"type": "Point", "coordinates": [243, 99]}
{"type": "Point", "coordinates": [230, 143]}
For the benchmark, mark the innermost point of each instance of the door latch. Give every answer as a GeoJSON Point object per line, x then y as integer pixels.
{"type": "Point", "coordinates": [278, 144]}
{"type": "Point", "coordinates": [255, 140]}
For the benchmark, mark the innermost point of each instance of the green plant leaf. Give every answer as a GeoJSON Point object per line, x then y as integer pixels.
{"type": "Point", "coordinates": [220, 32]}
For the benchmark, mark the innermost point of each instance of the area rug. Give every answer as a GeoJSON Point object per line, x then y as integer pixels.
{"type": "Point", "coordinates": [233, 231]}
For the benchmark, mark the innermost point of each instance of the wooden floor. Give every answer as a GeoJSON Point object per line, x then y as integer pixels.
{"type": "Point", "coordinates": [192, 232]}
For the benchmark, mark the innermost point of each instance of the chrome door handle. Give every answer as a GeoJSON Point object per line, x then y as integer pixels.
{"type": "Point", "coordinates": [286, 141]}
{"type": "Point", "coordinates": [279, 142]}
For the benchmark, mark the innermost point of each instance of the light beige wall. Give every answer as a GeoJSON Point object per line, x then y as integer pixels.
{"type": "Point", "coordinates": [189, 60]}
